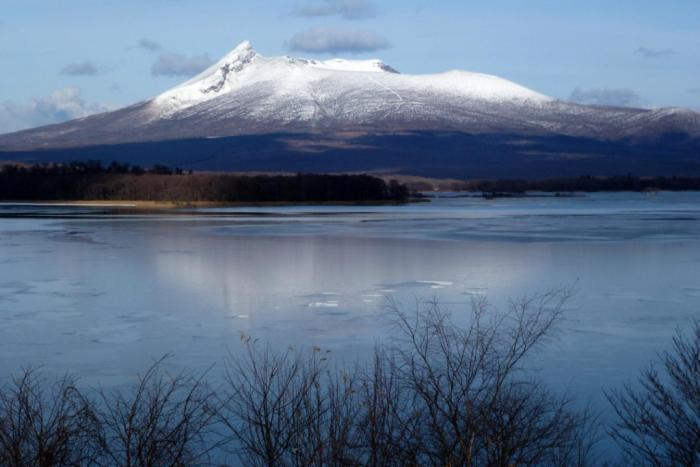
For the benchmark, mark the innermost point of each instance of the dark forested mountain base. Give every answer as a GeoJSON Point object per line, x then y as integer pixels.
{"type": "Point", "coordinates": [429, 154]}
{"type": "Point", "coordinates": [92, 181]}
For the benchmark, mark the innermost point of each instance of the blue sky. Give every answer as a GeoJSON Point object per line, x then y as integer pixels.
{"type": "Point", "coordinates": [67, 58]}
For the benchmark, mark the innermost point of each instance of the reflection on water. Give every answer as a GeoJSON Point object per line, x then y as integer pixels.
{"type": "Point", "coordinates": [102, 295]}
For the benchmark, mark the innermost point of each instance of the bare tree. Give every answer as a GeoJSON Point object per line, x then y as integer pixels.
{"type": "Point", "coordinates": [475, 405]}
{"type": "Point", "coordinates": [288, 408]}
{"type": "Point", "coordinates": [269, 401]}
{"type": "Point", "coordinates": [163, 420]}
{"type": "Point", "coordinates": [659, 419]}
{"type": "Point", "coordinates": [440, 395]}
{"type": "Point", "coordinates": [387, 421]}
{"type": "Point", "coordinates": [323, 432]}
{"type": "Point", "coordinates": [46, 424]}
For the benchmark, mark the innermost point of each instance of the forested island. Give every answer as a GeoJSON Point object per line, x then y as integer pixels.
{"type": "Point", "coordinates": [92, 181]}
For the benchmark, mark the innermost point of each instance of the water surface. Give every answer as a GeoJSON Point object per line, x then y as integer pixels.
{"type": "Point", "coordinates": [102, 293]}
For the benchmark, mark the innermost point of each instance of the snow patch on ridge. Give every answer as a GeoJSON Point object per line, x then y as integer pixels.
{"type": "Point", "coordinates": [339, 64]}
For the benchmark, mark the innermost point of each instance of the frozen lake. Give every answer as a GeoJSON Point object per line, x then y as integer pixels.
{"type": "Point", "coordinates": [102, 295]}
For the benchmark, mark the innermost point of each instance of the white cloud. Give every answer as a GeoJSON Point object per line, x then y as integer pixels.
{"type": "Point", "coordinates": [150, 45]}
{"type": "Point", "coordinates": [61, 105]}
{"type": "Point", "coordinates": [619, 97]}
{"type": "Point", "coordinates": [173, 64]}
{"type": "Point", "coordinates": [329, 40]}
{"type": "Point", "coordinates": [86, 68]}
{"type": "Point", "coordinates": [647, 52]}
{"type": "Point", "coordinates": [347, 9]}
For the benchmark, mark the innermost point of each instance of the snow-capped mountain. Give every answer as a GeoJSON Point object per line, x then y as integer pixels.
{"type": "Point", "coordinates": [297, 90]}
{"type": "Point", "coordinates": [332, 103]}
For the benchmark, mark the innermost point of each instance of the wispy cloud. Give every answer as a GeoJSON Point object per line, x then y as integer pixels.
{"type": "Point", "coordinates": [647, 52]}
{"type": "Point", "coordinates": [150, 45]}
{"type": "Point", "coordinates": [173, 64]}
{"type": "Point", "coordinates": [86, 68]}
{"type": "Point", "coordinates": [619, 97]}
{"type": "Point", "coordinates": [694, 91]}
{"type": "Point", "coordinates": [333, 41]}
{"type": "Point", "coordinates": [62, 105]}
{"type": "Point", "coordinates": [347, 9]}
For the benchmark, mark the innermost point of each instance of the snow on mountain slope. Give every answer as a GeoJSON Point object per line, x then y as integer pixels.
{"type": "Point", "coordinates": [243, 69]}
{"type": "Point", "coordinates": [246, 93]}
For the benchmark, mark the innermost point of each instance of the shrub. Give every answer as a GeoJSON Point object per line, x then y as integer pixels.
{"type": "Point", "coordinates": [47, 424]}
{"type": "Point", "coordinates": [439, 395]}
{"type": "Point", "coordinates": [659, 419]}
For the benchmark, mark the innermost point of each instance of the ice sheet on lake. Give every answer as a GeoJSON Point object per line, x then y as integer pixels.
{"type": "Point", "coordinates": [188, 283]}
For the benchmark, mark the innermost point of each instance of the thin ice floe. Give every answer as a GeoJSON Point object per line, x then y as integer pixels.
{"type": "Point", "coordinates": [436, 284]}
{"type": "Point", "coordinates": [326, 304]}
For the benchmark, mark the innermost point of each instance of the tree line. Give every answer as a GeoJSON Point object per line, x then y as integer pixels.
{"type": "Point", "coordinates": [438, 394]}
{"type": "Point", "coordinates": [93, 181]}
{"type": "Point", "coordinates": [584, 184]}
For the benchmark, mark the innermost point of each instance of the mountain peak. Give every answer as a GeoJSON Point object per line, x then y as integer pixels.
{"type": "Point", "coordinates": [214, 80]}
{"type": "Point", "coordinates": [244, 49]}
{"type": "Point", "coordinates": [244, 46]}
{"type": "Point", "coordinates": [233, 62]}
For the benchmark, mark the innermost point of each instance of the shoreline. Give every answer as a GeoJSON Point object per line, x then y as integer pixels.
{"type": "Point", "coordinates": [145, 204]}
{"type": "Point", "coordinates": [130, 204]}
